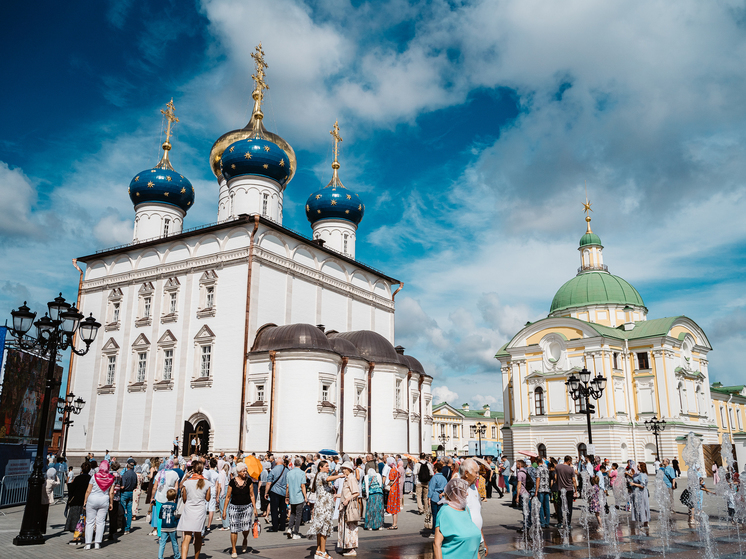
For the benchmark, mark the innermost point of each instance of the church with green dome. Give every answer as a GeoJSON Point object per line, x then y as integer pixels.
{"type": "Point", "coordinates": [649, 368]}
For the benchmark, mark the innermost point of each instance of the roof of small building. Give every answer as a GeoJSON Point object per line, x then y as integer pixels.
{"type": "Point", "coordinates": [370, 345]}
{"type": "Point", "coordinates": [291, 336]}
{"type": "Point", "coordinates": [717, 387]}
{"type": "Point", "coordinates": [472, 414]}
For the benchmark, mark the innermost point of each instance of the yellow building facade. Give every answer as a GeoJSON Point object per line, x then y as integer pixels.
{"type": "Point", "coordinates": [455, 428]}
{"type": "Point", "coordinates": [653, 368]}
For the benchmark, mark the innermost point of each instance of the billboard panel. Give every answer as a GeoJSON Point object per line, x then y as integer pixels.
{"type": "Point", "coordinates": [22, 398]}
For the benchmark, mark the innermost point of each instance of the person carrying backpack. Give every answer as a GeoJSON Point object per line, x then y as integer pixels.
{"type": "Point", "coordinates": [423, 473]}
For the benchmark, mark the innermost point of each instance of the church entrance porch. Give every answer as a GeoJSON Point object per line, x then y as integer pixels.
{"type": "Point", "coordinates": [196, 436]}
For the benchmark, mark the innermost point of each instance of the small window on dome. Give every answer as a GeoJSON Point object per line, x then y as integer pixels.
{"type": "Point", "coordinates": [166, 223]}
{"type": "Point", "coordinates": [265, 204]}
{"type": "Point", "coordinates": [345, 244]}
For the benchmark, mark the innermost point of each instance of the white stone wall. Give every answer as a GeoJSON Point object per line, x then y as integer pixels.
{"type": "Point", "coordinates": [150, 221]}
{"type": "Point", "coordinates": [292, 281]}
{"type": "Point", "coordinates": [338, 234]}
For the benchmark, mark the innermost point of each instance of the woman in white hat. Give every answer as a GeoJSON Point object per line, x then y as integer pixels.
{"type": "Point", "coordinates": [349, 511]}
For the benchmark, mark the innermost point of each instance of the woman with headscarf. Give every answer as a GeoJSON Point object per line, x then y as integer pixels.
{"type": "Point", "coordinates": [196, 494]}
{"type": "Point", "coordinates": [321, 524]}
{"type": "Point", "coordinates": [166, 479]}
{"type": "Point", "coordinates": [138, 489]}
{"type": "Point", "coordinates": [394, 482]}
{"type": "Point", "coordinates": [640, 501]}
{"type": "Point", "coordinates": [47, 497]}
{"type": "Point", "coordinates": [239, 505]}
{"type": "Point", "coordinates": [99, 498]}
{"type": "Point", "coordinates": [373, 493]}
{"type": "Point", "coordinates": [456, 535]}
{"type": "Point", "coordinates": [150, 474]}
{"type": "Point", "coordinates": [76, 491]}
{"type": "Point", "coordinates": [349, 513]}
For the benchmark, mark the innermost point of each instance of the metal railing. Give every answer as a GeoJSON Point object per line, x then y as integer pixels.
{"type": "Point", "coordinates": [14, 489]}
{"type": "Point", "coordinates": [594, 268]}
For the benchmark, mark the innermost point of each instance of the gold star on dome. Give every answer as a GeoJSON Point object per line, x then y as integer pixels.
{"type": "Point", "coordinates": [168, 179]}
{"type": "Point", "coordinates": [183, 190]}
{"type": "Point", "coordinates": [230, 150]}
{"type": "Point", "coordinates": [318, 211]}
{"type": "Point", "coordinates": [192, 190]}
{"type": "Point", "coordinates": [282, 162]}
{"type": "Point", "coordinates": [360, 207]}
{"type": "Point", "coordinates": [233, 166]}
{"type": "Point", "coordinates": [265, 166]}
{"type": "Point", "coordinates": [182, 176]}
{"type": "Point", "coordinates": [150, 184]}
{"type": "Point", "coordinates": [137, 178]}
{"type": "Point", "coordinates": [128, 190]}
{"type": "Point", "coordinates": [318, 196]}
{"type": "Point", "coordinates": [349, 197]}
{"type": "Point", "coordinates": [165, 194]}
{"type": "Point", "coordinates": [152, 170]}
{"type": "Point", "coordinates": [334, 202]}
{"type": "Point", "coordinates": [247, 155]}
{"type": "Point", "coordinates": [137, 194]}
{"type": "Point", "coordinates": [347, 211]}
{"type": "Point", "coordinates": [266, 148]}
{"type": "Point", "coordinates": [189, 203]}
{"type": "Point", "coordinates": [307, 208]}
{"type": "Point", "coordinates": [587, 206]}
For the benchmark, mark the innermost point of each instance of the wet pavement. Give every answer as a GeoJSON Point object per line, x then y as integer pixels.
{"type": "Point", "coordinates": [411, 542]}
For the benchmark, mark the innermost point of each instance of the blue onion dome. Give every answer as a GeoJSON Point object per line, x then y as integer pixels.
{"type": "Point", "coordinates": [334, 201]}
{"type": "Point", "coordinates": [163, 185]}
{"type": "Point", "coordinates": [256, 156]}
{"type": "Point", "coordinates": [254, 130]}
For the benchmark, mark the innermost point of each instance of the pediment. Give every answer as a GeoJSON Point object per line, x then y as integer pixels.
{"type": "Point", "coordinates": [146, 288]}
{"type": "Point", "coordinates": [141, 341]}
{"type": "Point", "coordinates": [172, 283]}
{"type": "Point", "coordinates": [208, 276]}
{"type": "Point", "coordinates": [167, 338]}
{"type": "Point", "coordinates": [115, 294]}
{"type": "Point", "coordinates": [110, 345]}
{"type": "Point", "coordinates": [204, 334]}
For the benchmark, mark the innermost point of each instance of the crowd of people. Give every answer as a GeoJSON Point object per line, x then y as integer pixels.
{"type": "Point", "coordinates": [182, 497]}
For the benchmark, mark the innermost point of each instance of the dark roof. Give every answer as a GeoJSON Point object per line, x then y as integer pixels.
{"type": "Point", "coordinates": [371, 346]}
{"type": "Point", "coordinates": [292, 336]}
{"type": "Point", "coordinates": [414, 365]}
{"type": "Point", "coordinates": [243, 218]}
{"type": "Point", "coordinates": [344, 347]}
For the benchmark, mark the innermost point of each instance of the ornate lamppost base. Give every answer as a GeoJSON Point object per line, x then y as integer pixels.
{"type": "Point", "coordinates": [30, 538]}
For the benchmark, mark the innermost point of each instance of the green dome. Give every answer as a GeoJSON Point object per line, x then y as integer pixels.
{"type": "Point", "coordinates": [594, 288]}
{"type": "Point", "coordinates": [590, 239]}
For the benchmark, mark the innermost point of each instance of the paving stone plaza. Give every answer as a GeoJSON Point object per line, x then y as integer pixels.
{"type": "Point", "coordinates": [410, 541]}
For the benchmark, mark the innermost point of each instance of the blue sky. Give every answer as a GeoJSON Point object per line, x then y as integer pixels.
{"type": "Point", "coordinates": [469, 131]}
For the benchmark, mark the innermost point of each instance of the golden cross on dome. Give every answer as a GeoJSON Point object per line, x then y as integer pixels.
{"type": "Point", "coordinates": [171, 117]}
{"type": "Point", "coordinates": [587, 208]}
{"type": "Point", "coordinates": [258, 57]}
{"type": "Point", "coordinates": [337, 138]}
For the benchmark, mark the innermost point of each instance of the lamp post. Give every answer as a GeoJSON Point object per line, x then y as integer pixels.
{"type": "Point", "coordinates": [69, 406]}
{"type": "Point", "coordinates": [656, 426]}
{"type": "Point", "coordinates": [582, 390]}
{"type": "Point", "coordinates": [481, 431]}
{"type": "Point", "coordinates": [443, 441]}
{"type": "Point", "coordinates": [55, 331]}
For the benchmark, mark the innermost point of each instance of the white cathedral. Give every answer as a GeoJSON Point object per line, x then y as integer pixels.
{"type": "Point", "coordinates": [244, 334]}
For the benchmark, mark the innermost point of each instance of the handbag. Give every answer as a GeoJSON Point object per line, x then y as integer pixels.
{"type": "Point", "coordinates": [686, 498]}
{"type": "Point", "coordinates": [352, 512]}
{"type": "Point", "coordinates": [80, 526]}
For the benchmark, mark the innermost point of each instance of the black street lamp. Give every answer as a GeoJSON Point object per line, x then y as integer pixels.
{"type": "Point", "coordinates": [69, 406]}
{"type": "Point", "coordinates": [656, 426]}
{"type": "Point", "coordinates": [481, 431]}
{"type": "Point", "coordinates": [582, 390]}
{"type": "Point", "coordinates": [55, 331]}
{"type": "Point", "coordinates": [443, 438]}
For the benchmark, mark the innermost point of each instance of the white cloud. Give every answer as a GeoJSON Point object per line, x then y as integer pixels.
{"type": "Point", "coordinates": [484, 399]}
{"type": "Point", "coordinates": [18, 196]}
{"type": "Point", "coordinates": [444, 394]}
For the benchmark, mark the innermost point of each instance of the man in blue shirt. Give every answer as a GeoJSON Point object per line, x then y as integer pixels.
{"type": "Point", "coordinates": [434, 492]}
{"type": "Point", "coordinates": [276, 488]}
{"type": "Point", "coordinates": [295, 496]}
{"type": "Point", "coordinates": [129, 484]}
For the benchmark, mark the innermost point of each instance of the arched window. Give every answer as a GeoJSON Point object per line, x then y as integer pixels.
{"type": "Point", "coordinates": [539, 401]}
{"type": "Point", "coordinates": [738, 417]}
{"type": "Point", "coordinates": [582, 449]}
{"type": "Point", "coordinates": [542, 450]}
{"type": "Point", "coordinates": [723, 421]}
{"type": "Point", "coordinates": [166, 223]}
{"type": "Point", "coordinates": [682, 400]}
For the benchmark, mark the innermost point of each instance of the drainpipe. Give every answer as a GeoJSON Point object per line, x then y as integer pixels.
{"type": "Point", "coordinates": [727, 411]}
{"type": "Point", "coordinates": [632, 412]}
{"type": "Point", "coordinates": [273, 359]}
{"type": "Point", "coordinates": [72, 355]}
{"type": "Point", "coordinates": [398, 289]}
{"type": "Point", "coordinates": [409, 411]}
{"type": "Point", "coordinates": [343, 369]}
{"type": "Point", "coordinates": [246, 340]}
{"type": "Point", "coordinates": [419, 388]}
{"type": "Point", "coordinates": [370, 381]}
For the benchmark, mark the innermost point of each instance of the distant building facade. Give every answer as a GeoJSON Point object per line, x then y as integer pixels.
{"type": "Point", "coordinates": [455, 430]}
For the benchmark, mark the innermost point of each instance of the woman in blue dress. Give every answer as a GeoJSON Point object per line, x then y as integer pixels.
{"type": "Point", "coordinates": [373, 492]}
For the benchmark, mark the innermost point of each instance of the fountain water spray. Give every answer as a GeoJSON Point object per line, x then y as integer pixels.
{"type": "Point", "coordinates": [565, 530]}
{"type": "Point", "coordinates": [585, 513]}
{"type": "Point", "coordinates": [609, 525]}
{"type": "Point", "coordinates": [526, 504]}
{"type": "Point", "coordinates": [537, 536]}
{"type": "Point", "coordinates": [663, 496]}
{"type": "Point", "coordinates": [726, 488]}
{"type": "Point", "coordinates": [691, 455]}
